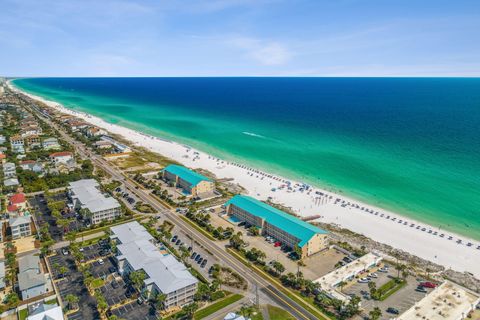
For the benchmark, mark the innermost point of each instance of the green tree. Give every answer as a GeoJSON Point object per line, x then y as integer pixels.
{"type": "Point", "coordinates": [278, 267]}
{"type": "Point", "coordinates": [375, 314]}
{"type": "Point", "coordinates": [71, 301]}
{"type": "Point", "coordinates": [190, 309]}
{"type": "Point", "coordinates": [137, 278]}
{"type": "Point", "coordinates": [159, 300]}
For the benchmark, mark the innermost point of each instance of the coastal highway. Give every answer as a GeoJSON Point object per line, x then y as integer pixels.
{"type": "Point", "coordinates": [218, 250]}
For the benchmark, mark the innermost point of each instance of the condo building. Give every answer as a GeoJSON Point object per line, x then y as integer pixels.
{"type": "Point", "coordinates": [85, 195]}
{"type": "Point", "coordinates": [191, 182]}
{"type": "Point", "coordinates": [164, 274]}
{"type": "Point", "coordinates": [287, 229]}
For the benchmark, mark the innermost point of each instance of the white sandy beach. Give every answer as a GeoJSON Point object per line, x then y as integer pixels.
{"type": "Point", "coordinates": [344, 212]}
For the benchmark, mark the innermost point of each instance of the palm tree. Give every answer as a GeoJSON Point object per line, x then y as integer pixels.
{"type": "Point", "coordinates": [63, 270]}
{"type": "Point", "coordinates": [159, 300]}
{"type": "Point", "coordinates": [190, 309]}
{"type": "Point", "coordinates": [375, 314]}
{"type": "Point", "coordinates": [137, 278]}
{"type": "Point", "coordinates": [72, 301]}
{"type": "Point", "coordinates": [342, 284]}
{"type": "Point", "coordinates": [279, 268]}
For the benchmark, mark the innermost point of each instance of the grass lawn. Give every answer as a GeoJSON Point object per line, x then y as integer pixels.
{"type": "Point", "coordinates": [97, 283]}
{"type": "Point", "coordinates": [23, 314]}
{"type": "Point", "coordinates": [390, 288]}
{"type": "Point", "coordinates": [202, 313]}
{"type": "Point", "coordinates": [201, 230]}
{"type": "Point", "coordinates": [276, 313]}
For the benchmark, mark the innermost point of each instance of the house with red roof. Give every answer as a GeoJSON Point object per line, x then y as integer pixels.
{"type": "Point", "coordinates": [19, 200]}
{"type": "Point", "coordinates": [61, 157]}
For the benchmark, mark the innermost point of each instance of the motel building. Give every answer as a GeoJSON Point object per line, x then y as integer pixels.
{"type": "Point", "coordinates": [192, 183]}
{"type": "Point", "coordinates": [280, 225]}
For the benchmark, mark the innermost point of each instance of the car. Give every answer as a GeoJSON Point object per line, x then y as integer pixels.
{"type": "Point", "coordinates": [112, 270]}
{"type": "Point", "coordinates": [428, 284]}
{"type": "Point", "coordinates": [65, 252]}
{"type": "Point", "coordinates": [204, 263]}
{"type": "Point", "coordinates": [115, 284]}
{"type": "Point", "coordinates": [393, 310]}
{"type": "Point", "coordinates": [198, 257]}
{"type": "Point", "coordinates": [421, 289]}
{"type": "Point", "coordinates": [210, 270]}
{"type": "Point", "coordinates": [193, 256]}
{"type": "Point", "coordinates": [140, 300]}
{"type": "Point", "coordinates": [81, 249]}
{"type": "Point", "coordinates": [347, 259]}
{"type": "Point", "coordinates": [189, 249]}
{"type": "Point", "coordinates": [363, 280]}
{"type": "Point", "coordinates": [174, 238]}
{"type": "Point", "coordinates": [373, 275]}
{"type": "Point", "coordinates": [277, 244]}
{"type": "Point", "coordinates": [100, 261]}
{"type": "Point", "coordinates": [178, 242]}
{"type": "Point", "coordinates": [200, 261]}
{"type": "Point", "coordinates": [383, 269]}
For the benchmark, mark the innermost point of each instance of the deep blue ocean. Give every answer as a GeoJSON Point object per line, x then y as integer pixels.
{"type": "Point", "coordinates": [407, 144]}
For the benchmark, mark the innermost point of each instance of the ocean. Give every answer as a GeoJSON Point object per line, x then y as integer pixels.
{"type": "Point", "coordinates": [410, 145]}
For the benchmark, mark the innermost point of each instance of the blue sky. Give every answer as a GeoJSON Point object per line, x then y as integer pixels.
{"type": "Point", "coordinates": [240, 38]}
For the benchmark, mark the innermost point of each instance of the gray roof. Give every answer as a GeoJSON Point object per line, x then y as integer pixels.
{"type": "Point", "coordinates": [13, 222]}
{"type": "Point", "coordinates": [29, 274]}
{"type": "Point", "coordinates": [164, 271]}
{"type": "Point", "coordinates": [11, 182]}
{"type": "Point", "coordinates": [2, 274]}
{"type": "Point", "coordinates": [9, 166]}
{"type": "Point", "coordinates": [87, 193]}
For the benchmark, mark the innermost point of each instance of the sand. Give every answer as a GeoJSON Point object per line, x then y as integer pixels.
{"type": "Point", "coordinates": [343, 212]}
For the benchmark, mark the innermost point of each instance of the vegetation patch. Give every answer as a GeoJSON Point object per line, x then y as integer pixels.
{"type": "Point", "coordinates": [276, 313]}
{"type": "Point", "coordinates": [202, 313]}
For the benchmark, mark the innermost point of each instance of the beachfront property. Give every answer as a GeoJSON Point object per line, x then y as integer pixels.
{"type": "Point", "coordinates": [164, 274]}
{"type": "Point", "coordinates": [283, 227]}
{"type": "Point", "coordinates": [103, 144]}
{"type": "Point", "coordinates": [44, 311]}
{"type": "Point", "coordinates": [94, 132]}
{"type": "Point", "coordinates": [33, 141]}
{"type": "Point", "coordinates": [449, 301]}
{"type": "Point", "coordinates": [87, 198]}
{"type": "Point", "coordinates": [119, 147]}
{"type": "Point", "coordinates": [330, 282]}
{"type": "Point", "coordinates": [50, 144]}
{"type": "Point", "coordinates": [64, 157]}
{"type": "Point", "coordinates": [31, 280]}
{"type": "Point", "coordinates": [191, 182]}
{"type": "Point", "coordinates": [20, 227]}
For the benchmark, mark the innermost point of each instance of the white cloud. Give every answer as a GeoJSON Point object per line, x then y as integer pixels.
{"type": "Point", "coordinates": [267, 53]}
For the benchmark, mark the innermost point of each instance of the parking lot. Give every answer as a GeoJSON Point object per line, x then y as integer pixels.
{"type": "Point", "coordinates": [401, 300]}
{"type": "Point", "coordinates": [73, 284]}
{"type": "Point", "coordinates": [44, 215]}
{"type": "Point", "coordinates": [117, 291]}
{"type": "Point", "coordinates": [194, 248]}
{"type": "Point", "coordinates": [135, 311]}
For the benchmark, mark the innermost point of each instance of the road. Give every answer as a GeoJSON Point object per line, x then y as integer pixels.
{"type": "Point", "coordinates": [216, 249]}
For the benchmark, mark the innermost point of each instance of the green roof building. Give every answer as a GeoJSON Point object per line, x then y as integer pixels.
{"type": "Point", "coordinates": [191, 182]}
{"type": "Point", "coordinates": [281, 226]}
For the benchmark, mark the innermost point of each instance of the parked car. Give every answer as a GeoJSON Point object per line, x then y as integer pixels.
{"type": "Point", "coordinates": [178, 242]}
{"type": "Point", "coordinates": [198, 257]}
{"type": "Point", "coordinates": [428, 284]}
{"type": "Point", "coordinates": [115, 284]}
{"type": "Point", "coordinates": [174, 238]}
{"type": "Point", "coordinates": [393, 310]}
{"type": "Point", "coordinates": [100, 261]}
{"type": "Point", "coordinates": [363, 280]}
{"type": "Point", "coordinates": [193, 256]}
{"type": "Point", "coordinates": [189, 249]}
{"type": "Point", "coordinates": [65, 251]}
{"type": "Point", "coordinates": [200, 261]}
{"type": "Point", "coordinates": [204, 263]}
{"type": "Point", "coordinates": [277, 244]}
{"type": "Point", "coordinates": [421, 289]}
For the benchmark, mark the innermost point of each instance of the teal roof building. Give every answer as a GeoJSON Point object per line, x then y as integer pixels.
{"type": "Point", "coordinates": [190, 176]}
{"type": "Point", "coordinates": [291, 225]}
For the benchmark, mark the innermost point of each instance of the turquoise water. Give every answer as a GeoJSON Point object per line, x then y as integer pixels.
{"type": "Point", "coordinates": [411, 145]}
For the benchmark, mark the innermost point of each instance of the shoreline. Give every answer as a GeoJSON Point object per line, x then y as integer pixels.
{"type": "Point", "coordinates": [333, 208]}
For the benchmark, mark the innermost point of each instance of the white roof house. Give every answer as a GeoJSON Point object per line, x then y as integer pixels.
{"type": "Point", "coordinates": [164, 271]}
{"type": "Point", "coordinates": [86, 194]}
{"type": "Point", "coordinates": [45, 311]}
{"type": "Point", "coordinates": [11, 182]}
